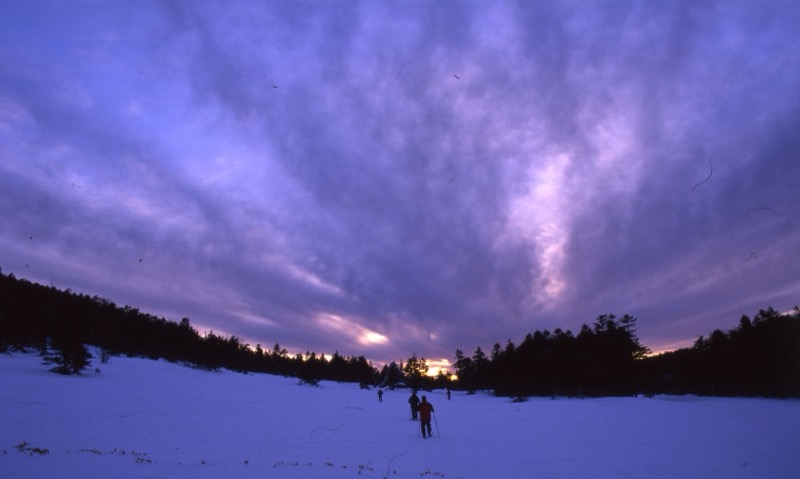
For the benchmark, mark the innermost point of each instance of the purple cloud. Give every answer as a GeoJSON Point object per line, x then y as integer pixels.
{"type": "Point", "coordinates": [385, 179]}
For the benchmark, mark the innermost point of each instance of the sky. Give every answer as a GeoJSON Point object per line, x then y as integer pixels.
{"type": "Point", "coordinates": [383, 178]}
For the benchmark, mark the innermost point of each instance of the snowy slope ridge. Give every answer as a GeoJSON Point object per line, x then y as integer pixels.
{"type": "Point", "coordinates": [153, 419]}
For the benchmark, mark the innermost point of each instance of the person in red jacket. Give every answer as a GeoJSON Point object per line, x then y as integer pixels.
{"type": "Point", "coordinates": [425, 410]}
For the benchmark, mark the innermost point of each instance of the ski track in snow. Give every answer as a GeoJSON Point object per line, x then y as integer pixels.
{"type": "Point", "coordinates": [154, 419]}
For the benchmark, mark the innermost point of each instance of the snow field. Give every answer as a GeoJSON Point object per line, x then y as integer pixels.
{"type": "Point", "coordinates": [153, 419]}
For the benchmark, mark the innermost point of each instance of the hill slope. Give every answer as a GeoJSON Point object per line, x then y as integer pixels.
{"type": "Point", "coordinates": [140, 418]}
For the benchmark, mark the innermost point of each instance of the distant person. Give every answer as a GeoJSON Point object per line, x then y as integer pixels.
{"type": "Point", "coordinates": [380, 395]}
{"type": "Point", "coordinates": [425, 410]}
{"type": "Point", "coordinates": [414, 402]}
{"type": "Point", "coordinates": [448, 394]}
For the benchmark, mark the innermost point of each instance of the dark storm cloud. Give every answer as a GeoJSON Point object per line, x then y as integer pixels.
{"type": "Point", "coordinates": [384, 178]}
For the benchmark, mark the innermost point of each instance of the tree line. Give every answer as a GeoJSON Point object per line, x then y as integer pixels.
{"type": "Point", "coordinates": [60, 324]}
{"type": "Point", "coordinates": [758, 357]}
{"type": "Point", "coordinates": [599, 360]}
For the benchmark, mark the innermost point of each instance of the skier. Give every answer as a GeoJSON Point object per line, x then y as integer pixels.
{"type": "Point", "coordinates": [414, 402]}
{"type": "Point", "coordinates": [425, 410]}
{"type": "Point", "coordinates": [380, 395]}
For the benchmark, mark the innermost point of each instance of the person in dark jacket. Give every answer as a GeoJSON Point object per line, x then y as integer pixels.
{"type": "Point", "coordinates": [414, 402]}
{"type": "Point", "coordinates": [425, 410]}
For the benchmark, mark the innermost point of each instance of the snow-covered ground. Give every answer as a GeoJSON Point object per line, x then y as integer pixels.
{"type": "Point", "coordinates": [153, 419]}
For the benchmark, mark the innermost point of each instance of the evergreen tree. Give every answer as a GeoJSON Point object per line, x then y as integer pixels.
{"type": "Point", "coordinates": [67, 354]}
{"type": "Point", "coordinates": [481, 369]}
{"type": "Point", "coordinates": [416, 371]}
{"type": "Point", "coordinates": [390, 375]}
{"type": "Point", "coordinates": [464, 370]}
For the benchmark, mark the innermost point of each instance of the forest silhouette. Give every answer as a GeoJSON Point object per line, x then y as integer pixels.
{"type": "Point", "coordinates": [758, 357]}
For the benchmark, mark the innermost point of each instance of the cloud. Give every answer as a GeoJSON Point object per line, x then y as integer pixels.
{"type": "Point", "coordinates": [391, 178]}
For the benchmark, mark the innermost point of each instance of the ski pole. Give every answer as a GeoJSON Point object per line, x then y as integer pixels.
{"type": "Point", "coordinates": [436, 423]}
